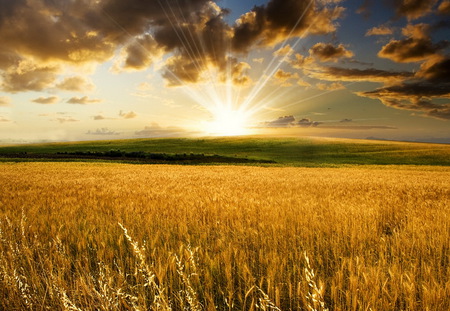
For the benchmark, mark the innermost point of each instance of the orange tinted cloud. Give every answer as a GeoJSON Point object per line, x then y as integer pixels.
{"type": "Point", "coordinates": [46, 100]}
{"type": "Point", "coordinates": [413, 9]}
{"type": "Point", "coordinates": [326, 52]}
{"type": "Point", "coordinates": [82, 100]}
{"type": "Point", "coordinates": [418, 45]}
{"type": "Point", "coordinates": [75, 84]}
{"type": "Point", "coordinates": [379, 31]}
{"type": "Point", "coordinates": [427, 93]}
{"type": "Point", "coordinates": [270, 24]}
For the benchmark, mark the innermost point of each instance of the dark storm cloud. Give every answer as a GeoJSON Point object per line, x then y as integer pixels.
{"type": "Point", "coordinates": [326, 52]}
{"type": "Point", "coordinates": [418, 45]}
{"type": "Point", "coordinates": [273, 23]}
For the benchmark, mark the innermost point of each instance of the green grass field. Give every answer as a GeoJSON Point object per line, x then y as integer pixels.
{"type": "Point", "coordinates": [286, 151]}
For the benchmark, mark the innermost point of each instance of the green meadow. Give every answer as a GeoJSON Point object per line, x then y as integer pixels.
{"type": "Point", "coordinates": [285, 151]}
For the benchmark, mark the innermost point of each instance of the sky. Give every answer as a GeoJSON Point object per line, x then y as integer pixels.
{"type": "Point", "coordinates": [112, 69]}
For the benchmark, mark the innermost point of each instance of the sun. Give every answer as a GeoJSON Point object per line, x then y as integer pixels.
{"type": "Point", "coordinates": [227, 122]}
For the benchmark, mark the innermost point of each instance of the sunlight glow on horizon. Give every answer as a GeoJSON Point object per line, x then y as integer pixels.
{"type": "Point", "coordinates": [227, 122]}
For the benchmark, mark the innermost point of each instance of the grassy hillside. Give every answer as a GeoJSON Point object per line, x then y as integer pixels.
{"type": "Point", "coordinates": [289, 151]}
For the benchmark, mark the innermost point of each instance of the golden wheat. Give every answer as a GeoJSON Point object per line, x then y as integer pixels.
{"type": "Point", "coordinates": [80, 236]}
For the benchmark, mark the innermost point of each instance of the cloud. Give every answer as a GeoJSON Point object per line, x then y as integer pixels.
{"type": "Point", "coordinates": [82, 100]}
{"type": "Point", "coordinates": [305, 122]}
{"type": "Point", "coordinates": [189, 38]}
{"type": "Point", "coordinates": [379, 31]}
{"type": "Point", "coordinates": [359, 127]}
{"type": "Point", "coordinates": [284, 51]}
{"type": "Point", "coordinates": [102, 131]}
{"type": "Point", "coordinates": [415, 97]}
{"type": "Point", "coordinates": [426, 92]}
{"type": "Point", "coordinates": [139, 54]}
{"type": "Point", "coordinates": [416, 47]}
{"type": "Point", "coordinates": [75, 84]}
{"type": "Point", "coordinates": [301, 61]}
{"type": "Point", "coordinates": [239, 74]}
{"type": "Point", "coordinates": [436, 70]}
{"type": "Point", "coordinates": [5, 101]}
{"type": "Point", "coordinates": [46, 100]}
{"type": "Point", "coordinates": [127, 115]}
{"type": "Point", "coordinates": [3, 119]}
{"type": "Point", "coordinates": [282, 77]}
{"type": "Point", "coordinates": [290, 122]}
{"type": "Point", "coordinates": [28, 76]}
{"type": "Point", "coordinates": [413, 9]}
{"type": "Point", "coordinates": [92, 33]}
{"type": "Point", "coordinates": [397, 99]}
{"type": "Point", "coordinates": [302, 82]}
{"type": "Point", "coordinates": [326, 52]}
{"type": "Point", "coordinates": [180, 70]}
{"type": "Point", "coordinates": [285, 121]}
{"type": "Point", "coordinates": [444, 8]}
{"type": "Point", "coordinates": [353, 74]}
{"type": "Point", "coordinates": [99, 117]}
{"type": "Point", "coordinates": [44, 30]}
{"type": "Point", "coordinates": [364, 9]}
{"type": "Point", "coordinates": [154, 130]}
{"type": "Point", "coordinates": [330, 87]}
{"type": "Point", "coordinates": [274, 22]}
{"type": "Point", "coordinates": [66, 120]}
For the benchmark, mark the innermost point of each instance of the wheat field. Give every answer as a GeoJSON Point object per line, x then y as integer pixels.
{"type": "Point", "coordinates": [99, 236]}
